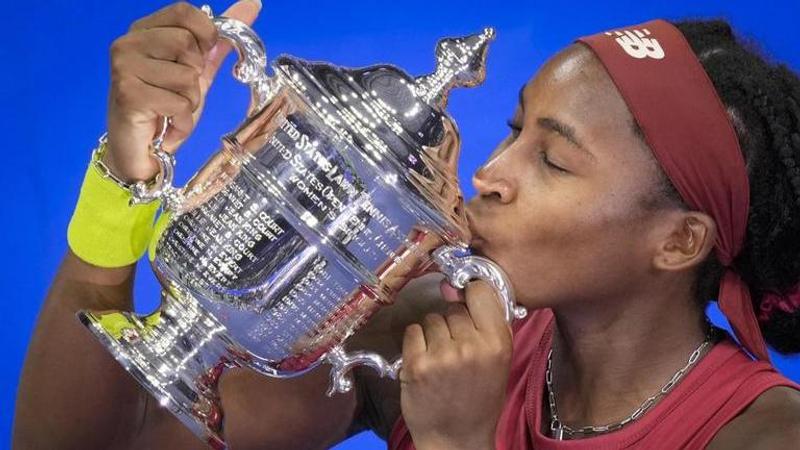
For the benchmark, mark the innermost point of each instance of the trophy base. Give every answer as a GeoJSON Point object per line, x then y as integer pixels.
{"type": "Point", "coordinates": [177, 353]}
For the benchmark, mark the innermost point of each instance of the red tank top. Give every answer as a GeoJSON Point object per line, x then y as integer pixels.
{"type": "Point", "coordinates": [716, 390]}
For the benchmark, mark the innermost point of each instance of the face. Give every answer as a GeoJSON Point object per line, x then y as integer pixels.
{"type": "Point", "coordinates": [560, 203]}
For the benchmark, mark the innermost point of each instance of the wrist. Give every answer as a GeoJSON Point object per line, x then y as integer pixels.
{"type": "Point", "coordinates": [105, 230]}
{"type": "Point", "coordinates": [108, 160]}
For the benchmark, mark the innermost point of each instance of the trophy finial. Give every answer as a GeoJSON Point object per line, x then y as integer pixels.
{"type": "Point", "coordinates": [459, 62]}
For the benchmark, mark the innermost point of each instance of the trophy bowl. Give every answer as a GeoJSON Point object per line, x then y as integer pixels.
{"type": "Point", "coordinates": [338, 188]}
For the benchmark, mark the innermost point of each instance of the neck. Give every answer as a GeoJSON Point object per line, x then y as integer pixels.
{"type": "Point", "coordinates": [608, 360]}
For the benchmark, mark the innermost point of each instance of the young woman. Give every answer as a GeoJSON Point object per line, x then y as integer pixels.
{"type": "Point", "coordinates": [648, 170]}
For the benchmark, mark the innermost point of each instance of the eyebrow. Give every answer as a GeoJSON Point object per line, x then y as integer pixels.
{"type": "Point", "coordinates": [564, 130]}
{"type": "Point", "coordinates": [550, 124]}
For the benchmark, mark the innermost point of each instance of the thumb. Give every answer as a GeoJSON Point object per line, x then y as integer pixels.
{"type": "Point", "coordinates": [244, 11]}
{"type": "Point", "coordinates": [485, 306]}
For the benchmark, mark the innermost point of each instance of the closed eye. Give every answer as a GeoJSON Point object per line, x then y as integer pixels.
{"type": "Point", "coordinates": [516, 130]}
{"type": "Point", "coordinates": [546, 161]}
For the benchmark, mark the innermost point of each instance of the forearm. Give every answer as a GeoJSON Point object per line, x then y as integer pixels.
{"type": "Point", "coordinates": [72, 393]}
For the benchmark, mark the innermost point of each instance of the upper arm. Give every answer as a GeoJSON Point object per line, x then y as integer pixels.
{"type": "Point", "coordinates": [772, 421]}
{"type": "Point", "coordinates": [779, 435]}
{"type": "Point", "coordinates": [782, 437]}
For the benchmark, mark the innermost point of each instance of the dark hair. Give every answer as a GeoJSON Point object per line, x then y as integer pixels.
{"type": "Point", "coordinates": [762, 99]}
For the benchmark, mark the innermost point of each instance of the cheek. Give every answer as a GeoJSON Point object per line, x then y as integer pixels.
{"type": "Point", "coordinates": [571, 245]}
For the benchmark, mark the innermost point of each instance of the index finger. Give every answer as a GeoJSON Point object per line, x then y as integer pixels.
{"type": "Point", "coordinates": [485, 307]}
{"type": "Point", "coordinates": [186, 16]}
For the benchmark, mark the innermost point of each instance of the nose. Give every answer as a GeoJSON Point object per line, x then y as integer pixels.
{"type": "Point", "coordinates": [494, 180]}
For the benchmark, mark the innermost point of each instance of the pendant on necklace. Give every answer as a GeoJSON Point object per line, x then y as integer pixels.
{"type": "Point", "coordinates": [557, 430]}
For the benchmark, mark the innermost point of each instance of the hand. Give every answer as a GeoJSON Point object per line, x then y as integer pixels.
{"type": "Point", "coordinates": [455, 372]}
{"type": "Point", "coordinates": [163, 66]}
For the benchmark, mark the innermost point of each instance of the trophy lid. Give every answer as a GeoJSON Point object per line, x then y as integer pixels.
{"type": "Point", "coordinates": [399, 121]}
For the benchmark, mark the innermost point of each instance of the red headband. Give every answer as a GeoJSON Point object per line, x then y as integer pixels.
{"type": "Point", "coordinates": [686, 126]}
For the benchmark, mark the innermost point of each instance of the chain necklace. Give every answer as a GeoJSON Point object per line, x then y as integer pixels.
{"type": "Point", "coordinates": [559, 430]}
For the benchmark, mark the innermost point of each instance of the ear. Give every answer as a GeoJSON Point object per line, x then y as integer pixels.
{"type": "Point", "coordinates": [691, 237]}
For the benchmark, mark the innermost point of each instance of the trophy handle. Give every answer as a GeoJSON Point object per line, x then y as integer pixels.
{"type": "Point", "coordinates": [161, 187]}
{"type": "Point", "coordinates": [250, 69]}
{"type": "Point", "coordinates": [460, 267]}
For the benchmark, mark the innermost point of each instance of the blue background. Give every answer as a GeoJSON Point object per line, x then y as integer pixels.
{"type": "Point", "coordinates": [54, 82]}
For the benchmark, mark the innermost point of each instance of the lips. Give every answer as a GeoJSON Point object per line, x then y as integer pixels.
{"type": "Point", "coordinates": [477, 239]}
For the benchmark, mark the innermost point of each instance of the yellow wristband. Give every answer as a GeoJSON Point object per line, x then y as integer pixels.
{"type": "Point", "coordinates": [105, 231]}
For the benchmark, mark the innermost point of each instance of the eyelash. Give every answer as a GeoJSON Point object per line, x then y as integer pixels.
{"type": "Point", "coordinates": [548, 163]}
{"type": "Point", "coordinates": [515, 130]}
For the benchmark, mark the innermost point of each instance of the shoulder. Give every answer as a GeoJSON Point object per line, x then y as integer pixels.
{"type": "Point", "coordinates": [771, 421]}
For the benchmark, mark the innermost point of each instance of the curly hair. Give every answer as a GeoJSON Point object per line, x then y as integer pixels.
{"type": "Point", "coordinates": [762, 99]}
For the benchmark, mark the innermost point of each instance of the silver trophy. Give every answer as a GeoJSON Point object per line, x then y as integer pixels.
{"type": "Point", "coordinates": [338, 188]}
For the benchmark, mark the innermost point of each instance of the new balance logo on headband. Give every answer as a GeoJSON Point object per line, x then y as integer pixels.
{"type": "Point", "coordinates": [637, 45]}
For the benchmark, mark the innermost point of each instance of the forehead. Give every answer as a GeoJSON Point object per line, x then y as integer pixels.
{"type": "Point", "coordinates": [574, 87]}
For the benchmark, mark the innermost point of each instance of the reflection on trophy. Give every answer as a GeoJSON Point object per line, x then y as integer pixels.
{"type": "Point", "coordinates": [338, 188]}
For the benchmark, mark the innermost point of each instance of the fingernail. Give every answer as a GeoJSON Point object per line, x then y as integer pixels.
{"type": "Point", "coordinates": [256, 2]}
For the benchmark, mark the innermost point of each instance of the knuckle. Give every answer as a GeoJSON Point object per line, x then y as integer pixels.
{"type": "Point", "coordinates": [182, 9]}
{"type": "Point", "coordinates": [206, 32]}
{"type": "Point", "coordinates": [137, 24]}
{"type": "Point", "coordinates": [117, 67]}
{"type": "Point", "coordinates": [187, 40]}
{"type": "Point", "coordinates": [450, 361]}
{"type": "Point", "coordinates": [118, 47]}
{"type": "Point", "coordinates": [115, 45]}
{"type": "Point", "coordinates": [194, 77]}
{"type": "Point", "coordinates": [194, 100]}
{"type": "Point", "coordinates": [182, 124]}
{"type": "Point", "coordinates": [184, 105]}
{"type": "Point", "coordinates": [196, 97]}
{"type": "Point", "coordinates": [466, 351]}
{"type": "Point", "coordinates": [432, 318]}
{"type": "Point", "coordinates": [187, 77]}
{"type": "Point", "coordinates": [456, 309]}
{"type": "Point", "coordinates": [416, 369]}
{"type": "Point", "coordinates": [213, 34]}
{"type": "Point", "coordinates": [498, 350]}
{"type": "Point", "coordinates": [413, 329]}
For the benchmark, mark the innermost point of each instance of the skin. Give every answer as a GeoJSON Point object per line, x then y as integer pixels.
{"type": "Point", "coordinates": [565, 206]}
{"type": "Point", "coordinates": [579, 239]}
{"type": "Point", "coordinates": [580, 242]}
{"type": "Point", "coordinates": [93, 403]}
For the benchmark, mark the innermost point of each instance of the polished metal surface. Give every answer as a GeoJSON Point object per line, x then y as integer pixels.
{"type": "Point", "coordinates": [161, 187]}
{"type": "Point", "coordinates": [338, 188]}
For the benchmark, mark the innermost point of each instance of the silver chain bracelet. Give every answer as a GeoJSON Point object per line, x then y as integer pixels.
{"type": "Point", "coordinates": [160, 187]}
